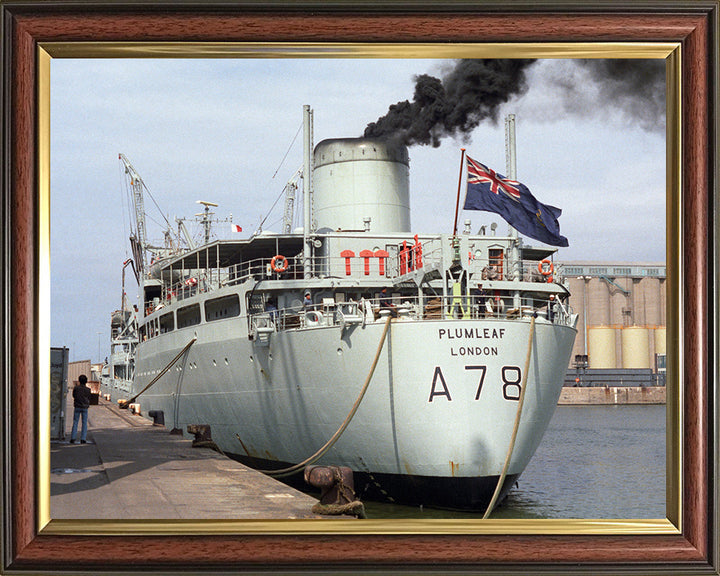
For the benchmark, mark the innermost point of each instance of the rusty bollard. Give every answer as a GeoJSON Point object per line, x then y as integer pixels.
{"type": "Point", "coordinates": [337, 494]}
{"type": "Point", "coordinates": [203, 436]}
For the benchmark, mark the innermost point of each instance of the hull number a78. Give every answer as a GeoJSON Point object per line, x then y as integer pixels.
{"type": "Point", "coordinates": [511, 378]}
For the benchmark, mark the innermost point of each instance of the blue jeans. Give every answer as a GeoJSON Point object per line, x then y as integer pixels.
{"type": "Point", "coordinates": [76, 416]}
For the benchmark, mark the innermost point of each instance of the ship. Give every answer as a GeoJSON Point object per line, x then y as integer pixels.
{"type": "Point", "coordinates": [429, 364]}
{"type": "Point", "coordinates": [116, 374]}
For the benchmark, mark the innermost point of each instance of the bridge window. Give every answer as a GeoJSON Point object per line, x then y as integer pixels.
{"type": "Point", "coordinates": [167, 323]}
{"type": "Point", "coordinates": [225, 307]}
{"type": "Point", "coordinates": [188, 316]}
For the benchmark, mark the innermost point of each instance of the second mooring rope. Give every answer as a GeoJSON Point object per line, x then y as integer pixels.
{"type": "Point", "coordinates": [344, 425]}
{"type": "Point", "coordinates": [521, 400]}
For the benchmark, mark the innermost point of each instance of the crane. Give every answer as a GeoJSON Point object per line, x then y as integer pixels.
{"type": "Point", "coordinates": [138, 238]}
{"type": "Point", "coordinates": [290, 189]}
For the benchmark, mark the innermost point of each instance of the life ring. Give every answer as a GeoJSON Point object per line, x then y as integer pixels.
{"type": "Point", "coordinates": [547, 272]}
{"type": "Point", "coordinates": [279, 263]}
{"type": "Point", "coordinates": [313, 318]}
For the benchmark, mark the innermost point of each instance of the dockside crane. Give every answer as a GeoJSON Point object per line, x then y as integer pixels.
{"type": "Point", "coordinates": [138, 237]}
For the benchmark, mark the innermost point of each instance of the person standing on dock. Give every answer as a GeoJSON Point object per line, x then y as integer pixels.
{"type": "Point", "coordinates": [81, 403]}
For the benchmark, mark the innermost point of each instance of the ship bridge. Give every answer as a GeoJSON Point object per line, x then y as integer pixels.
{"type": "Point", "coordinates": [228, 253]}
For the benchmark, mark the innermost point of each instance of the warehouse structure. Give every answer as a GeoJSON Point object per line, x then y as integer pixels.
{"type": "Point", "coordinates": [622, 319]}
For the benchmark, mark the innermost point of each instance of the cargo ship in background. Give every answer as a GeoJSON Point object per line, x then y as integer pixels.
{"type": "Point", "coordinates": [117, 372]}
{"type": "Point", "coordinates": [354, 341]}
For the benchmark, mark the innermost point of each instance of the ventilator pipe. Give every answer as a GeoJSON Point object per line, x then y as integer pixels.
{"type": "Point", "coordinates": [344, 425]}
{"type": "Point", "coordinates": [513, 437]}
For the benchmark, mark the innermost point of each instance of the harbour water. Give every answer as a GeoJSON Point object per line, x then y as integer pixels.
{"type": "Point", "coordinates": [595, 462]}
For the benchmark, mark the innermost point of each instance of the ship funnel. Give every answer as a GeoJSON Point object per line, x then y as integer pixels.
{"type": "Point", "coordinates": [361, 180]}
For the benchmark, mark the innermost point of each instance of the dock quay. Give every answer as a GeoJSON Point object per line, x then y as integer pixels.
{"type": "Point", "coordinates": [132, 469]}
{"type": "Point", "coordinates": [600, 395]}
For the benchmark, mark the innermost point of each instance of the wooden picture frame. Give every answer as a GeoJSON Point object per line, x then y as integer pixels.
{"type": "Point", "coordinates": [687, 542]}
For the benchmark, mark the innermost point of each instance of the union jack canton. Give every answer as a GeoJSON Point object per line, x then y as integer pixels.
{"type": "Point", "coordinates": [479, 173]}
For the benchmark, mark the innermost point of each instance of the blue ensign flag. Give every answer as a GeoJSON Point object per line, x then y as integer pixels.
{"type": "Point", "coordinates": [487, 190]}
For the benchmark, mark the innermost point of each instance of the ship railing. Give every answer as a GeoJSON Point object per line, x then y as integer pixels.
{"type": "Point", "coordinates": [406, 309]}
{"type": "Point", "coordinates": [370, 265]}
{"type": "Point", "coordinates": [365, 265]}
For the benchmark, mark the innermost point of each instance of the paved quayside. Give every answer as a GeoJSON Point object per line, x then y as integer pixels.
{"type": "Point", "coordinates": [131, 469]}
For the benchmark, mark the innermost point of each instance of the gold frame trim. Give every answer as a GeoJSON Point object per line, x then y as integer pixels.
{"type": "Point", "coordinates": [671, 52]}
{"type": "Point", "coordinates": [354, 50]}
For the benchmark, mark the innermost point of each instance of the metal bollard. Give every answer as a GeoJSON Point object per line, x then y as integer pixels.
{"type": "Point", "coordinates": [202, 432]}
{"type": "Point", "coordinates": [337, 490]}
{"type": "Point", "coordinates": [158, 417]}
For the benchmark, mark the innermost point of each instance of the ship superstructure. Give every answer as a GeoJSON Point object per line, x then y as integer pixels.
{"type": "Point", "coordinates": [419, 348]}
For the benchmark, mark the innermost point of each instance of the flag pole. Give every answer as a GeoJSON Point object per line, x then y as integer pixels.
{"type": "Point", "coordinates": [457, 202]}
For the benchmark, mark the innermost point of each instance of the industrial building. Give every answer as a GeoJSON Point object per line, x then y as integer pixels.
{"type": "Point", "coordinates": [622, 321]}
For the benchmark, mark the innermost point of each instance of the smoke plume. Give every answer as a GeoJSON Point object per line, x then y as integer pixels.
{"type": "Point", "coordinates": [474, 90]}
{"type": "Point", "coordinates": [635, 87]}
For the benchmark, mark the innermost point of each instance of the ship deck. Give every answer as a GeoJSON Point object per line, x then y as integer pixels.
{"type": "Point", "coordinates": [132, 469]}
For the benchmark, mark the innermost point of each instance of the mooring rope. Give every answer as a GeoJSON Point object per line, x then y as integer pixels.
{"type": "Point", "coordinates": [162, 372]}
{"type": "Point", "coordinates": [521, 400]}
{"type": "Point", "coordinates": [344, 425]}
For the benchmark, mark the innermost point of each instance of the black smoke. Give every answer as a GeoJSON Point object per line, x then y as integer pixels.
{"type": "Point", "coordinates": [474, 90]}
{"type": "Point", "coordinates": [635, 87]}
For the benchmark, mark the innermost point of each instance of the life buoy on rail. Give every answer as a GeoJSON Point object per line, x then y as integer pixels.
{"type": "Point", "coordinates": [547, 272]}
{"type": "Point", "coordinates": [313, 318]}
{"type": "Point", "coordinates": [279, 263]}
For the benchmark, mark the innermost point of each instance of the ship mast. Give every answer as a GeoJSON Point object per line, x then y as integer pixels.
{"type": "Point", "coordinates": [307, 190]}
{"type": "Point", "coordinates": [206, 221]}
{"type": "Point", "coordinates": [511, 168]}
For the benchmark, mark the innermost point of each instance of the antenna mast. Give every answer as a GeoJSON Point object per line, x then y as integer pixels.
{"type": "Point", "coordinates": [511, 161]}
{"type": "Point", "coordinates": [307, 190]}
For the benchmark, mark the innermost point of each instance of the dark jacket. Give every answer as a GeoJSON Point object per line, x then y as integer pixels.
{"type": "Point", "coordinates": [81, 396]}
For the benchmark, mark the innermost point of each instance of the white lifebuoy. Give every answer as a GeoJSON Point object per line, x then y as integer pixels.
{"type": "Point", "coordinates": [313, 318]}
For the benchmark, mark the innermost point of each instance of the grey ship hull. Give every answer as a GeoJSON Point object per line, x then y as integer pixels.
{"type": "Point", "coordinates": [433, 428]}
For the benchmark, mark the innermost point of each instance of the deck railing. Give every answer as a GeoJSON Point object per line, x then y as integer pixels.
{"type": "Point", "coordinates": [370, 268]}
{"type": "Point", "coordinates": [407, 310]}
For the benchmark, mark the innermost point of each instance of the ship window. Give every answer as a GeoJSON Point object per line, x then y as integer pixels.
{"type": "Point", "coordinates": [225, 307]}
{"type": "Point", "coordinates": [495, 257]}
{"type": "Point", "coordinates": [188, 316]}
{"type": "Point", "coordinates": [152, 328]}
{"type": "Point", "coordinates": [167, 323]}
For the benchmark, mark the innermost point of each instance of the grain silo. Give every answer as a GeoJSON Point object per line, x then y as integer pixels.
{"type": "Point", "coordinates": [598, 303]}
{"type": "Point", "coordinates": [361, 183]}
{"type": "Point", "coordinates": [635, 347]}
{"type": "Point", "coordinates": [660, 340]}
{"type": "Point", "coordinates": [601, 347]}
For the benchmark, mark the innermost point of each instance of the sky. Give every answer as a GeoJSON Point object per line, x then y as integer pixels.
{"type": "Point", "coordinates": [226, 131]}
